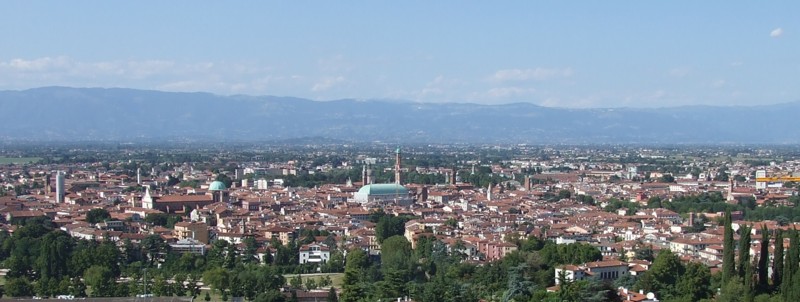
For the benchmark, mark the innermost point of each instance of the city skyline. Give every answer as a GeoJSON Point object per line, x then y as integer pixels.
{"type": "Point", "coordinates": [624, 54]}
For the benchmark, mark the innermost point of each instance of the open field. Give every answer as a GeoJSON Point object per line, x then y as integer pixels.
{"type": "Point", "coordinates": [336, 278]}
{"type": "Point", "coordinates": [18, 160]}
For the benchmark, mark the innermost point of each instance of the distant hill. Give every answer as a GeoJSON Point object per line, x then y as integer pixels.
{"type": "Point", "coordinates": [62, 114]}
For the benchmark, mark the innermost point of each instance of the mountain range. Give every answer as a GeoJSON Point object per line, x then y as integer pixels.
{"type": "Point", "coordinates": [90, 114]}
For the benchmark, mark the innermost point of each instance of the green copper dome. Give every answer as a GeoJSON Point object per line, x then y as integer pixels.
{"type": "Point", "coordinates": [217, 186]}
{"type": "Point", "coordinates": [383, 189]}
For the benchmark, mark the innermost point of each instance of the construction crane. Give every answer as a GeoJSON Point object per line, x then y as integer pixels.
{"type": "Point", "coordinates": [778, 179]}
{"type": "Point", "coordinates": [763, 181]}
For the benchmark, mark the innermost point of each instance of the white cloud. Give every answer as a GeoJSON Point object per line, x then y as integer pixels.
{"type": "Point", "coordinates": [441, 88]}
{"type": "Point", "coordinates": [658, 94]}
{"type": "Point", "coordinates": [327, 83]}
{"type": "Point", "coordinates": [680, 72]}
{"type": "Point", "coordinates": [508, 92]}
{"type": "Point", "coordinates": [531, 74]}
{"type": "Point", "coordinates": [776, 32]}
{"type": "Point", "coordinates": [718, 83]}
{"type": "Point", "coordinates": [217, 77]}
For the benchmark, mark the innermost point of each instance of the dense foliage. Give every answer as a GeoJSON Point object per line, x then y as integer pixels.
{"type": "Point", "coordinates": [45, 261]}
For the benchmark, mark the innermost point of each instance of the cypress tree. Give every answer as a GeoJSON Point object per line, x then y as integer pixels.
{"type": "Point", "coordinates": [744, 251]}
{"type": "Point", "coordinates": [793, 262]}
{"type": "Point", "coordinates": [728, 264]}
{"type": "Point", "coordinates": [790, 269]}
{"type": "Point", "coordinates": [763, 260]}
{"type": "Point", "coordinates": [777, 260]}
{"type": "Point", "coordinates": [332, 297]}
{"type": "Point", "coordinates": [748, 281]}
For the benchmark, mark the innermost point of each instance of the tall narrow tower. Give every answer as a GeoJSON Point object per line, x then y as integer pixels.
{"type": "Point", "coordinates": [48, 186]}
{"type": "Point", "coordinates": [59, 187]}
{"type": "Point", "coordinates": [730, 190]}
{"type": "Point", "coordinates": [397, 167]}
{"type": "Point", "coordinates": [364, 180]}
{"type": "Point", "coordinates": [138, 176]}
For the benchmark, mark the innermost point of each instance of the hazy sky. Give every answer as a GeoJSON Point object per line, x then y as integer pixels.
{"type": "Point", "coordinates": [553, 53]}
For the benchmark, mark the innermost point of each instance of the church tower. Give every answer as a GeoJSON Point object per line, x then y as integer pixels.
{"type": "Point", "coordinates": [364, 180]}
{"type": "Point", "coordinates": [397, 167]}
{"type": "Point", "coordinates": [730, 190]}
{"type": "Point", "coordinates": [147, 200]}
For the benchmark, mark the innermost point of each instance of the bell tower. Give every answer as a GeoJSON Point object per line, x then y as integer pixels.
{"type": "Point", "coordinates": [397, 164]}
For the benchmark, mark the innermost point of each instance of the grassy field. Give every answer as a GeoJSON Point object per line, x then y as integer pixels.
{"type": "Point", "coordinates": [336, 278]}
{"type": "Point", "coordinates": [18, 160]}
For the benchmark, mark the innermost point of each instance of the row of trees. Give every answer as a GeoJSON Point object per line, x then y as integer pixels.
{"type": "Point", "coordinates": [746, 279]}
{"type": "Point", "coordinates": [45, 261]}
{"type": "Point", "coordinates": [435, 272]}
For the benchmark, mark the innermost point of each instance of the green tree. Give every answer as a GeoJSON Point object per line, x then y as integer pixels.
{"type": "Point", "coordinates": [55, 252]}
{"type": "Point", "coordinates": [101, 280]}
{"type": "Point", "coordinates": [332, 297]}
{"type": "Point", "coordinates": [695, 284]}
{"type": "Point", "coordinates": [744, 251]}
{"type": "Point", "coordinates": [224, 179]}
{"type": "Point", "coordinates": [97, 215]}
{"type": "Point", "coordinates": [335, 264]}
{"type": "Point", "coordinates": [645, 253]}
{"type": "Point", "coordinates": [663, 276]}
{"type": "Point", "coordinates": [77, 287]}
{"type": "Point", "coordinates": [352, 288]}
{"type": "Point", "coordinates": [748, 282]}
{"type": "Point", "coordinates": [763, 261]}
{"type": "Point", "coordinates": [311, 284]}
{"type": "Point", "coordinates": [296, 282]}
{"type": "Point", "coordinates": [789, 286]}
{"type": "Point", "coordinates": [107, 254]}
{"type": "Point", "coordinates": [250, 249]}
{"type": "Point", "coordinates": [395, 265]}
{"type": "Point", "coordinates": [389, 226]}
{"type": "Point", "coordinates": [217, 278]}
{"type": "Point", "coordinates": [517, 285]}
{"type": "Point", "coordinates": [272, 295]}
{"type": "Point", "coordinates": [155, 248]}
{"type": "Point", "coordinates": [18, 287]}
{"type": "Point", "coordinates": [161, 288]}
{"type": "Point", "coordinates": [777, 260]}
{"type": "Point", "coordinates": [564, 194]}
{"type": "Point", "coordinates": [732, 291]}
{"type": "Point", "coordinates": [728, 262]}
{"type": "Point", "coordinates": [654, 202]}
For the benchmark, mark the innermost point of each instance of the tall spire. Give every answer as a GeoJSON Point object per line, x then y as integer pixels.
{"type": "Point", "coordinates": [397, 164]}
{"type": "Point", "coordinates": [364, 180]}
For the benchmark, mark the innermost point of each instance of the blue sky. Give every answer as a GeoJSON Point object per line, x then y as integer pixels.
{"type": "Point", "coordinates": [552, 53]}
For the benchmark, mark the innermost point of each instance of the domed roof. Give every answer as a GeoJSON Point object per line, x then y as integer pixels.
{"type": "Point", "coordinates": [217, 186]}
{"type": "Point", "coordinates": [383, 189]}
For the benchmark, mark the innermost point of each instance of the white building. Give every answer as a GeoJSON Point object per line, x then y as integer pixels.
{"type": "Point", "coordinates": [60, 187]}
{"type": "Point", "coordinates": [603, 270]}
{"type": "Point", "coordinates": [188, 245]}
{"type": "Point", "coordinates": [314, 253]}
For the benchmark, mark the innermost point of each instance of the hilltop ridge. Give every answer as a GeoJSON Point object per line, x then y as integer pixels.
{"type": "Point", "coordinates": [64, 113]}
